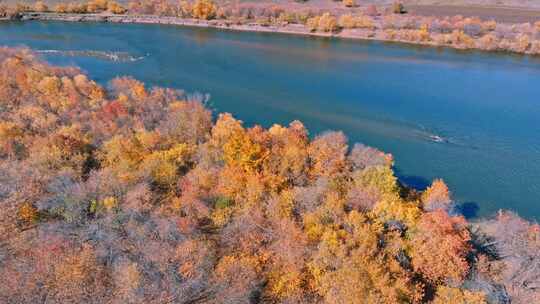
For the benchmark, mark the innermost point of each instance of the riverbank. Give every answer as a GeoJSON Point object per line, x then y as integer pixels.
{"type": "Point", "coordinates": [456, 39]}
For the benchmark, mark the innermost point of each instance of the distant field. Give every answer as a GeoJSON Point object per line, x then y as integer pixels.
{"type": "Point", "coordinates": [485, 3]}
{"type": "Point", "coordinates": [501, 14]}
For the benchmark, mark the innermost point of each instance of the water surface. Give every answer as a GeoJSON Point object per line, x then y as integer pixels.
{"type": "Point", "coordinates": [471, 118]}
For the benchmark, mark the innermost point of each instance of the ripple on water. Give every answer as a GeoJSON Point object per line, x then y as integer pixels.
{"type": "Point", "coordinates": [104, 55]}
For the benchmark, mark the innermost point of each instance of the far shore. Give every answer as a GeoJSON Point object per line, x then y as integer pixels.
{"type": "Point", "coordinates": [286, 28]}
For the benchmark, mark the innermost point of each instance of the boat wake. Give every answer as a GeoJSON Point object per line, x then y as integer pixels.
{"type": "Point", "coordinates": [437, 138]}
{"type": "Point", "coordinates": [104, 55]}
{"type": "Point", "coordinates": [432, 136]}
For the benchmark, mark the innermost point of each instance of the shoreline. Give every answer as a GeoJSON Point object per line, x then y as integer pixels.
{"type": "Point", "coordinates": [288, 28]}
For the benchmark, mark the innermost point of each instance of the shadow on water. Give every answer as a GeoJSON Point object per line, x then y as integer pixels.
{"type": "Point", "coordinates": [417, 182]}
{"type": "Point", "coordinates": [468, 209]}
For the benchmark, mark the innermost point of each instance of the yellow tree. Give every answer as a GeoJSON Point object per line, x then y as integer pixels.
{"type": "Point", "coordinates": [349, 3]}
{"type": "Point", "coordinates": [437, 196]}
{"type": "Point", "coordinates": [204, 9]}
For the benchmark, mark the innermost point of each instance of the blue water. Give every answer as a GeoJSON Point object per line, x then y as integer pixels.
{"type": "Point", "coordinates": [485, 107]}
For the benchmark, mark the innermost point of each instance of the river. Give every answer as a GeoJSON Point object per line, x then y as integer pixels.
{"type": "Point", "coordinates": [470, 118]}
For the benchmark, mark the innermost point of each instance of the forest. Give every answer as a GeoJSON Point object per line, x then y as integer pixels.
{"type": "Point", "coordinates": [126, 193]}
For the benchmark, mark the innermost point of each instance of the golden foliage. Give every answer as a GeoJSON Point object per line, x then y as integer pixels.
{"type": "Point", "coordinates": [115, 8]}
{"type": "Point", "coordinates": [285, 284]}
{"type": "Point", "coordinates": [323, 23]}
{"type": "Point", "coordinates": [378, 178]}
{"type": "Point", "coordinates": [204, 9]}
{"type": "Point", "coordinates": [458, 296]}
{"type": "Point", "coordinates": [392, 209]}
{"type": "Point", "coordinates": [349, 3]}
{"type": "Point", "coordinates": [40, 6]}
{"type": "Point", "coordinates": [28, 213]}
{"type": "Point", "coordinates": [365, 22]}
{"type": "Point", "coordinates": [241, 151]}
{"type": "Point", "coordinates": [437, 196]}
{"type": "Point", "coordinates": [351, 268]}
{"type": "Point", "coordinates": [347, 21]}
{"type": "Point", "coordinates": [398, 8]}
{"type": "Point", "coordinates": [462, 40]}
{"type": "Point", "coordinates": [423, 33]}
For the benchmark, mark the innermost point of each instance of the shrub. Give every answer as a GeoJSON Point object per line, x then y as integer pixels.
{"type": "Point", "coordinates": [328, 23]}
{"type": "Point", "coordinates": [115, 8]}
{"type": "Point", "coordinates": [423, 33]}
{"type": "Point", "coordinates": [204, 9]}
{"type": "Point", "coordinates": [472, 26]}
{"type": "Point", "coordinates": [349, 3]}
{"type": "Point", "coordinates": [77, 8]}
{"type": "Point", "coordinates": [21, 7]}
{"type": "Point", "coordinates": [313, 23]}
{"type": "Point", "coordinates": [371, 10]}
{"type": "Point", "coordinates": [522, 43]}
{"type": "Point", "coordinates": [489, 26]}
{"type": "Point", "coordinates": [185, 9]}
{"type": "Point", "coordinates": [398, 8]}
{"type": "Point", "coordinates": [28, 213]}
{"type": "Point", "coordinates": [61, 8]}
{"type": "Point", "coordinates": [287, 17]}
{"type": "Point", "coordinates": [535, 47]}
{"type": "Point", "coordinates": [40, 6]}
{"type": "Point", "coordinates": [347, 21]}
{"type": "Point", "coordinates": [223, 202]}
{"type": "Point", "coordinates": [488, 42]}
{"type": "Point", "coordinates": [461, 40]}
{"type": "Point", "coordinates": [364, 22]}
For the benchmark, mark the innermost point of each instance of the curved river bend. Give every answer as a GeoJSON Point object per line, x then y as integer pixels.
{"type": "Point", "coordinates": [471, 118]}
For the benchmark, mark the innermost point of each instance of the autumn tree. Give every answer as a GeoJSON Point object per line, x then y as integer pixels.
{"type": "Point", "coordinates": [398, 8]}
{"type": "Point", "coordinates": [458, 296]}
{"type": "Point", "coordinates": [204, 9]}
{"type": "Point", "coordinates": [327, 154]}
{"type": "Point", "coordinates": [440, 237]}
{"type": "Point", "coordinates": [437, 197]}
{"type": "Point", "coordinates": [349, 3]}
{"type": "Point", "coordinates": [40, 6]}
{"type": "Point", "coordinates": [323, 23]}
